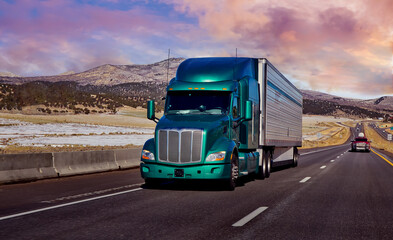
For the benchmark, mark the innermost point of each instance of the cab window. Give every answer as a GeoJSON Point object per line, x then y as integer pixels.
{"type": "Point", "coordinates": [235, 107]}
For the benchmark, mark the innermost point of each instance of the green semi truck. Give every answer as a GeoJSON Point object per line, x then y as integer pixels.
{"type": "Point", "coordinates": [224, 118]}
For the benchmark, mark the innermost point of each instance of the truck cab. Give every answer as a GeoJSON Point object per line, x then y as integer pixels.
{"type": "Point", "coordinates": [211, 127]}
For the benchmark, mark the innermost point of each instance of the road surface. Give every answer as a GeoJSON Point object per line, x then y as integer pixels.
{"type": "Point", "coordinates": [332, 194]}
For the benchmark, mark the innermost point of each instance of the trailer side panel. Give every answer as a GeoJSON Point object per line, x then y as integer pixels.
{"type": "Point", "coordinates": [282, 111]}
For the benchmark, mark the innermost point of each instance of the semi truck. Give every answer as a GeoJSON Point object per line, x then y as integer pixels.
{"type": "Point", "coordinates": [224, 118]}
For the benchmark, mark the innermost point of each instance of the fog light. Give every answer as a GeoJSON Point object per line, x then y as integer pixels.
{"type": "Point", "coordinates": [145, 169]}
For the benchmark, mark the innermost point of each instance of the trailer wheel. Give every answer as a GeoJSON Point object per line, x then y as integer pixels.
{"type": "Point", "coordinates": [234, 172]}
{"type": "Point", "coordinates": [268, 163]}
{"type": "Point", "coordinates": [295, 157]}
{"type": "Point", "coordinates": [262, 168]}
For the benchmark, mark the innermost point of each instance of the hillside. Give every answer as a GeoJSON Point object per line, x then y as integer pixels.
{"type": "Point", "coordinates": [326, 104]}
{"type": "Point", "coordinates": [106, 88]}
{"type": "Point", "coordinates": [108, 75]}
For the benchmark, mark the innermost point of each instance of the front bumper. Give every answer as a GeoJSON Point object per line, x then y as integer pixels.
{"type": "Point", "coordinates": [217, 171]}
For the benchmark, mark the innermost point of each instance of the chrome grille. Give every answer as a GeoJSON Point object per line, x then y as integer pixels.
{"type": "Point", "coordinates": [180, 146]}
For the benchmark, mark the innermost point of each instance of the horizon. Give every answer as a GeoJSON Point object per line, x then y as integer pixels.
{"type": "Point", "coordinates": [310, 46]}
{"type": "Point", "coordinates": [343, 95]}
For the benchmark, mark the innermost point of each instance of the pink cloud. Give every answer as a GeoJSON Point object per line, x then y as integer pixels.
{"type": "Point", "coordinates": [325, 44]}
{"type": "Point", "coordinates": [64, 35]}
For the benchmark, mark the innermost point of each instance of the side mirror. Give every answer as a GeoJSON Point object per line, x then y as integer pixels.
{"type": "Point", "coordinates": [151, 110]}
{"type": "Point", "coordinates": [248, 115]}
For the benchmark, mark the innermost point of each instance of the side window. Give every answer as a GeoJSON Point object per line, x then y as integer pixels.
{"type": "Point", "coordinates": [235, 107]}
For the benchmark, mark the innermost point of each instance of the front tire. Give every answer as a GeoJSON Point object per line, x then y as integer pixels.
{"type": "Point", "coordinates": [231, 184]}
{"type": "Point", "coordinates": [151, 183]}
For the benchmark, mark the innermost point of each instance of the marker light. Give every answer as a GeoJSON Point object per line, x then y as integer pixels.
{"type": "Point", "coordinates": [147, 155]}
{"type": "Point", "coordinates": [217, 156]}
{"type": "Point", "coordinates": [224, 89]}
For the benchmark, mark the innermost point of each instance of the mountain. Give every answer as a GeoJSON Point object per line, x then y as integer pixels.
{"type": "Point", "coordinates": [369, 107]}
{"type": "Point", "coordinates": [8, 74]}
{"type": "Point", "coordinates": [108, 87]}
{"type": "Point", "coordinates": [110, 75]}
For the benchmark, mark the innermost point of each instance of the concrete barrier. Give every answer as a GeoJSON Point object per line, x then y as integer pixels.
{"type": "Point", "coordinates": [73, 163]}
{"type": "Point", "coordinates": [128, 158]}
{"type": "Point", "coordinates": [26, 167]}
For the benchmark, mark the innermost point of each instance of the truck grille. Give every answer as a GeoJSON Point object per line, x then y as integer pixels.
{"type": "Point", "coordinates": [180, 146]}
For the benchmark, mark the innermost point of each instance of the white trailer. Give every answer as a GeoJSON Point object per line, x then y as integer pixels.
{"type": "Point", "coordinates": [280, 127]}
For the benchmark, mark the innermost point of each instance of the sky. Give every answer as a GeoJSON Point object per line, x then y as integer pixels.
{"type": "Point", "coordinates": [341, 47]}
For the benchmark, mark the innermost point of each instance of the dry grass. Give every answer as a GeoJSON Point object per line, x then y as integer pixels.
{"type": "Point", "coordinates": [377, 140]}
{"type": "Point", "coordinates": [387, 125]}
{"type": "Point", "coordinates": [125, 118]}
{"type": "Point", "coordinates": [337, 136]}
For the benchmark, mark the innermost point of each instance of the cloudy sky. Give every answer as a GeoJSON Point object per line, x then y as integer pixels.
{"type": "Point", "coordinates": [342, 47]}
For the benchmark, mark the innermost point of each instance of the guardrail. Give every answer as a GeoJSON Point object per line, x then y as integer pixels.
{"type": "Point", "coordinates": [34, 166]}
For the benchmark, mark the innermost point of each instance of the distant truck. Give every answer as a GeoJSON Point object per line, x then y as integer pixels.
{"type": "Point", "coordinates": [224, 118]}
{"type": "Point", "coordinates": [360, 143]}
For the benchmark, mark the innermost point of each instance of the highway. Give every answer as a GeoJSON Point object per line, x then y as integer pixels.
{"type": "Point", "coordinates": [332, 194]}
{"type": "Point", "coordinates": [381, 131]}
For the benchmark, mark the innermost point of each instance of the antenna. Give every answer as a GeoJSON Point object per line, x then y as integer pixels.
{"type": "Point", "coordinates": [167, 70]}
{"type": "Point", "coordinates": [234, 68]}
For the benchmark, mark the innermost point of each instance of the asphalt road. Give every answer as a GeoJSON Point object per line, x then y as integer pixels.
{"type": "Point", "coordinates": [381, 131]}
{"type": "Point", "coordinates": [332, 194]}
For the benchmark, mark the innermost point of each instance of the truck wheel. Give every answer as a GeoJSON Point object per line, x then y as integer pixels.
{"type": "Point", "coordinates": [234, 173]}
{"type": "Point", "coordinates": [268, 163]}
{"type": "Point", "coordinates": [295, 157]}
{"type": "Point", "coordinates": [151, 183]}
{"type": "Point", "coordinates": [262, 168]}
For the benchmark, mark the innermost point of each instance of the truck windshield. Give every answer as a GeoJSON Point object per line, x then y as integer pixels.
{"type": "Point", "coordinates": [198, 102]}
{"type": "Point", "coordinates": [361, 139]}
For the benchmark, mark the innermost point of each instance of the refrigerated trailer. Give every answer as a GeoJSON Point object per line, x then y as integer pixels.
{"type": "Point", "coordinates": [224, 118]}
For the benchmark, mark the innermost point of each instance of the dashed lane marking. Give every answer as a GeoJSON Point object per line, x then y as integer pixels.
{"type": "Point", "coordinates": [67, 204]}
{"type": "Point", "coordinates": [326, 149]}
{"type": "Point", "coordinates": [305, 179]}
{"type": "Point", "coordinates": [331, 160]}
{"type": "Point", "coordinates": [323, 167]}
{"type": "Point", "coordinates": [249, 217]}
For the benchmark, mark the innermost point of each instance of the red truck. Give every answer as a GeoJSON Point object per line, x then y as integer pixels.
{"type": "Point", "coordinates": [360, 143]}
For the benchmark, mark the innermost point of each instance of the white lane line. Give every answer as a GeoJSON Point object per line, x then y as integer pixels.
{"type": "Point", "coordinates": [326, 149]}
{"type": "Point", "coordinates": [323, 167]}
{"type": "Point", "coordinates": [249, 217]}
{"type": "Point", "coordinates": [305, 179]}
{"type": "Point", "coordinates": [67, 204]}
{"type": "Point", "coordinates": [331, 160]}
{"type": "Point", "coordinates": [90, 194]}
{"type": "Point", "coordinates": [338, 156]}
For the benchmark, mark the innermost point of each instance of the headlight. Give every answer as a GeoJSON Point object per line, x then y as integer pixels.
{"type": "Point", "coordinates": [217, 156]}
{"type": "Point", "coordinates": [147, 155]}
